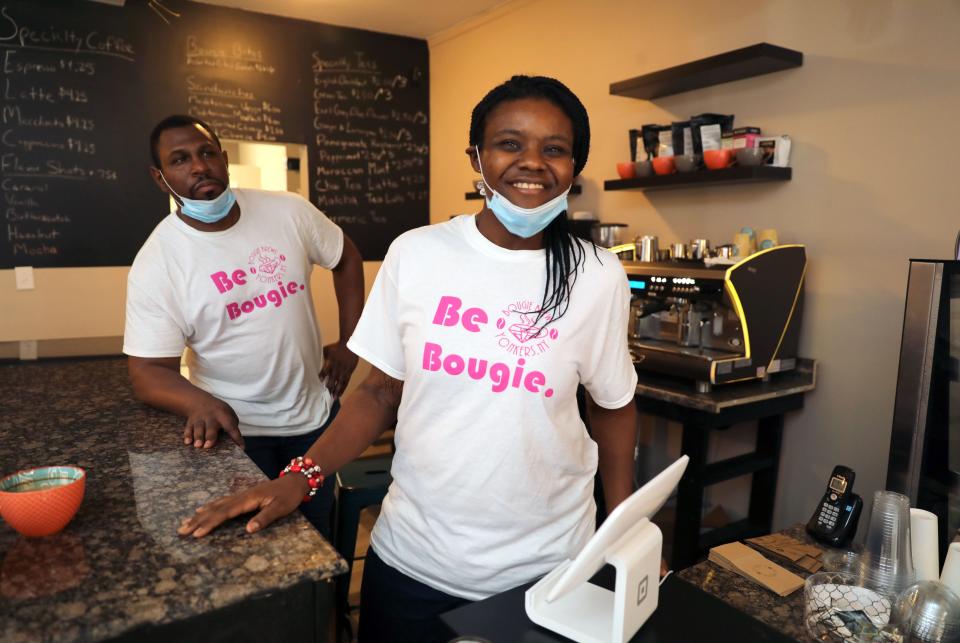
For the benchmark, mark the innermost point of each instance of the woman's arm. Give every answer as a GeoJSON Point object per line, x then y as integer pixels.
{"type": "Point", "coordinates": [615, 432]}
{"type": "Point", "coordinates": [366, 413]}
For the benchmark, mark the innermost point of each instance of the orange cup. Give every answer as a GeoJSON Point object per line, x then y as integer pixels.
{"type": "Point", "coordinates": [626, 170]}
{"type": "Point", "coordinates": [41, 501]}
{"type": "Point", "coordinates": [664, 165]}
{"type": "Point", "coordinates": [717, 159]}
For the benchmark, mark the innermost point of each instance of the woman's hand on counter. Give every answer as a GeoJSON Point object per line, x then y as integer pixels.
{"type": "Point", "coordinates": [274, 499]}
{"type": "Point", "coordinates": [206, 421]}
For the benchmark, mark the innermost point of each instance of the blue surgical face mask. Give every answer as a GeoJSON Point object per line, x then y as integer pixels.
{"type": "Point", "coordinates": [523, 222]}
{"type": "Point", "coordinates": [206, 211]}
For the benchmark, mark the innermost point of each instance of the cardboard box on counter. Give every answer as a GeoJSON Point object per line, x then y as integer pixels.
{"type": "Point", "coordinates": [740, 559]}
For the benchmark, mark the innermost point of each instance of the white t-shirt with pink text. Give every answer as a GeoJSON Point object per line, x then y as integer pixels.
{"type": "Point", "coordinates": [240, 299]}
{"type": "Point", "coordinates": [493, 474]}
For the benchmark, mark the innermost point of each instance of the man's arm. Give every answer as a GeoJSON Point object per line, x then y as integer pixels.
{"type": "Point", "coordinates": [615, 432]}
{"type": "Point", "coordinates": [339, 361]}
{"type": "Point", "coordinates": [366, 413]}
{"type": "Point", "coordinates": [157, 381]}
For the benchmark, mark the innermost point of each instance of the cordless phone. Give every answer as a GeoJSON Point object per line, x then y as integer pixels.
{"type": "Point", "coordinates": [834, 521]}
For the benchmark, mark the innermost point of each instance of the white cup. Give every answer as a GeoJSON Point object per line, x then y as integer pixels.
{"type": "Point", "coordinates": [950, 575]}
{"type": "Point", "coordinates": [923, 539]}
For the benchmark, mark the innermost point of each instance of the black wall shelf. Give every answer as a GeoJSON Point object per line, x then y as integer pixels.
{"type": "Point", "coordinates": [475, 196]}
{"type": "Point", "coordinates": [736, 174]}
{"type": "Point", "coordinates": [762, 58]}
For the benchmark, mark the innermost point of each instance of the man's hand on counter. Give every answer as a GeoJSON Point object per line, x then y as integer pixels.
{"type": "Point", "coordinates": [158, 382]}
{"type": "Point", "coordinates": [205, 422]}
{"type": "Point", "coordinates": [274, 499]}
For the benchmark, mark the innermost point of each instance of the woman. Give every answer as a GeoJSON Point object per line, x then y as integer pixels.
{"type": "Point", "coordinates": [479, 331]}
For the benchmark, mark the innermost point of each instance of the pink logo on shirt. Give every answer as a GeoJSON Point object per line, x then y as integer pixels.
{"type": "Point", "coordinates": [526, 329]}
{"type": "Point", "coordinates": [267, 264]}
{"type": "Point", "coordinates": [521, 332]}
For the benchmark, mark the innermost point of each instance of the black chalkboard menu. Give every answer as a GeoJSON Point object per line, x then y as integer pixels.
{"type": "Point", "coordinates": [84, 82]}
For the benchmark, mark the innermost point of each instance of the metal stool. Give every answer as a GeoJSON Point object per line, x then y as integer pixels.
{"type": "Point", "coordinates": [360, 484]}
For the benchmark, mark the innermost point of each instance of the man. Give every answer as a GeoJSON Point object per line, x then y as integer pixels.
{"type": "Point", "coordinates": [227, 274]}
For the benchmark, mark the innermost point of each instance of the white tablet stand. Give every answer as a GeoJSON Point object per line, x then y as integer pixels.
{"type": "Point", "coordinates": [563, 600]}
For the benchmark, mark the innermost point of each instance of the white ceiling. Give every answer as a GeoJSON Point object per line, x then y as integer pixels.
{"type": "Point", "coordinates": [417, 18]}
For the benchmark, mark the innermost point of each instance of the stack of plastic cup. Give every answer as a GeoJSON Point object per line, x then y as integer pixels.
{"type": "Point", "coordinates": [933, 611]}
{"type": "Point", "coordinates": [888, 557]}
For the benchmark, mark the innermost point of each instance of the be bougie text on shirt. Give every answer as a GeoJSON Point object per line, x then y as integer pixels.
{"type": "Point", "coordinates": [500, 374]}
{"type": "Point", "coordinates": [275, 296]}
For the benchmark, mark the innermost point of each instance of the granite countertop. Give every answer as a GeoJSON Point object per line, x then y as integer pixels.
{"type": "Point", "coordinates": [120, 563]}
{"type": "Point", "coordinates": [682, 392]}
{"type": "Point", "coordinates": [782, 614]}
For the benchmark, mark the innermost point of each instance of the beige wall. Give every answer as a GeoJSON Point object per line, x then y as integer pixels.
{"type": "Point", "coordinates": [66, 303]}
{"type": "Point", "coordinates": [871, 114]}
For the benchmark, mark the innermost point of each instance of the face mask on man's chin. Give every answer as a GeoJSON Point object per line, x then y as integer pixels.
{"type": "Point", "coordinates": [205, 211]}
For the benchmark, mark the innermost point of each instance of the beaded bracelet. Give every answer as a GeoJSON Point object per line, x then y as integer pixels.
{"type": "Point", "coordinates": [307, 467]}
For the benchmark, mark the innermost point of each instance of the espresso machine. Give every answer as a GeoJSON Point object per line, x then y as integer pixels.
{"type": "Point", "coordinates": [717, 324]}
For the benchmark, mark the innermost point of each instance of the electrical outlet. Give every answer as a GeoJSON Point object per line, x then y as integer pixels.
{"type": "Point", "coordinates": [24, 277]}
{"type": "Point", "coordinates": [28, 349]}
